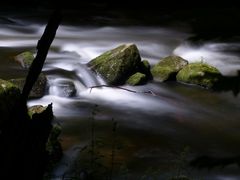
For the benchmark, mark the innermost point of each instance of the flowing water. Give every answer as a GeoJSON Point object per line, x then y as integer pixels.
{"type": "Point", "coordinates": [153, 129]}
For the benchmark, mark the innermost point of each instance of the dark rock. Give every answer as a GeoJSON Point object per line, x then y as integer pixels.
{"type": "Point", "coordinates": [25, 59]}
{"type": "Point", "coordinates": [38, 89]}
{"type": "Point", "coordinates": [137, 79]}
{"type": "Point", "coordinates": [9, 94]}
{"type": "Point", "coordinates": [116, 65]}
{"type": "Point", "coordinates": [167, 68]}
{"type": "Point", "coordinates": [200, 74]}
{"type": "Point", "coordinates": [65, 88]}
{"type": "Point", "coordinates": [145, 68]}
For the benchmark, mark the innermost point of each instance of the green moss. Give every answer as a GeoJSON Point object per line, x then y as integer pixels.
{"type": "Point", "coordinates": [25, 59]}
{"type": "Point", "coordinates": [144, 68]}
{"type": "Point", "coordinates": [146, 64]}
{"type": "Point", "coordinates": [9, 95]}
{"type": "Point", "coordinates": [137, 79]}
{"type": "Point", "coordinates": [116, 65]}
{"type": "Point", "coordinates": [199, 73]}
{"type": "Point", "coordinates": [168, 67]}
{"type": "Point", "coordinates": [161, 74]}
{"type": "Point", "coordinates": [7, 87]}
{"type": "Point", "coordinates": [36, 109]}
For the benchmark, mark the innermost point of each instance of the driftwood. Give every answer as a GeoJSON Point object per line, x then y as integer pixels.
{"type": "Point", "coordinates": [23, 140]}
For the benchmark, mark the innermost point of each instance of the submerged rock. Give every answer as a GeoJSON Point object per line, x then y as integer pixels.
{"type": "Point", "coordinates": [116, 65]}
{"type": "Point", "coordinates": [167, 68]}
{"type": "Point", "coordinates": [25, 59]}
{"type": "Point", "coordinates": [64, 88]}
{"type": "Point", "coordinates": [9, 94]}
{"type": "Point", "coordinates": [199, 73]}
{"type": "Point", "coordinates": [137, 79]}
{"type": "Point", "coordinates": [38, 89]}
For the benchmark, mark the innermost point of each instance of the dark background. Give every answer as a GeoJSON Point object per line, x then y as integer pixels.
{"type": "Point", "coordinates": [207, 20]}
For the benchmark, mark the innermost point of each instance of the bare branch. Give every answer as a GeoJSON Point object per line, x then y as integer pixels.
{"type": "Point", "coordinates": [125, 89]}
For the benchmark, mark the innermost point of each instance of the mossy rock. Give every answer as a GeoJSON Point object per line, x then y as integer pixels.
{"type": "Point", "coordinates": [145, 68]}
{"type": "Point", "coordinates": [36, 109]}
{"type": "Point", "coordinates": [38, 89]}
{"type": "Point", "coordinates": [9, 95]}
{"type": "Point", "coordinates": [116, 65]}
{"type": "Point", "coordinates": [167, 68]}
{"type": "Point", "coordinates": [137, 79]}
{"type": "Point", "coordinates": [200, 74]}
{"type": "Point", "coordinates": [25, 59]}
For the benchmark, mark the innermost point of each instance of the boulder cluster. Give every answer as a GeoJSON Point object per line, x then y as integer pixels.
{"type": "Point", "coordinates": [123, 65]}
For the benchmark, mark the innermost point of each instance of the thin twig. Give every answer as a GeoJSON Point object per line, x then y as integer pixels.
{"type": "Point", "coordinates": [125, 89]}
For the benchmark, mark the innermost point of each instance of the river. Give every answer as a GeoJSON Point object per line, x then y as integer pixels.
{"type": "Point", "coordinates": [156, 132]}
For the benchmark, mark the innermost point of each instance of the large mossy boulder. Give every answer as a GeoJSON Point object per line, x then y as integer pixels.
{"type": "Point", "coordinates": [167, 68]}
{"type": "Point", "coordinates": [116, 65]}
{"type": "Point", "coordinates": [137, 79]}
{"type": "Point", "coordinates": [200, 74]}
{"type": "Point", "coordinates": [9, 95]}
{"type": "Point", "coordinates": [38, 89]}
{"type": "Point", "coordinates": [25, 59]}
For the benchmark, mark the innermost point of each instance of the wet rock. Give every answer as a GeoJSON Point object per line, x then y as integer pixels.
{"type": "Point", "coordinates": [38, 89]}
{"type": "Point", "coordinates": [200, 74]}
{"type": "Point", "coordinates": [167, 68]}
{"type": "Point", "coordinates": [25, 59]}
{"type": "Point", "coordinates": [116, 65]}
{"type": "Point", "coordinates": [145, 68]}
{"type": "Point", "coordinates": [36, 109]}
{"type": "Point", "coordinates": [64, 88]}
{"type": "Point", "coordinates": [137, 79]}
{"type": "Point", "coordinates": [9, 94]}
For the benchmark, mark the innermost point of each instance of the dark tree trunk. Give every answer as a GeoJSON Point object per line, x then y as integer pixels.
{"type": "Point", "coordinates": [23, 140]}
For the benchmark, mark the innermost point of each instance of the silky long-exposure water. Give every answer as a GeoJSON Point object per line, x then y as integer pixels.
{"type": "Point", "coordinates": [153, 128]}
